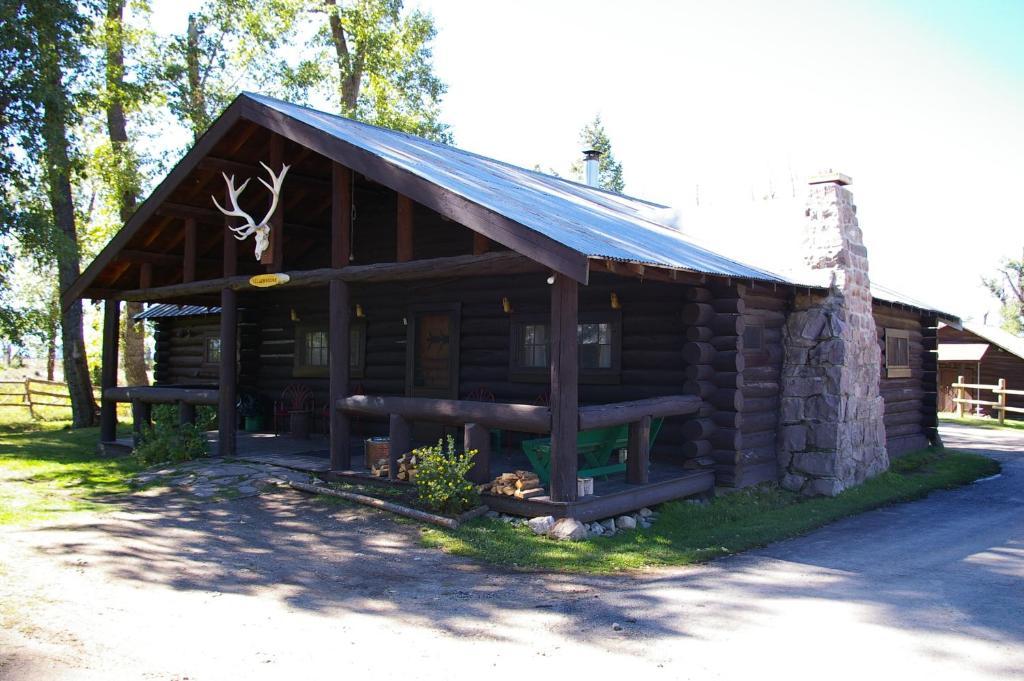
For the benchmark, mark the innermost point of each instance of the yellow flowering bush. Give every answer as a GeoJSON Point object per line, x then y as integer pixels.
{"type": "Point", "coordinates": [441, 478]}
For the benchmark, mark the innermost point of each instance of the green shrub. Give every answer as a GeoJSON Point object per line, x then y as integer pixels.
{"type": "Point", "coordinates": [167, 415]}
{"type": "Point", "coordinates": [441, 478]}
{"type": "Point", "coordinates": [170, 443]}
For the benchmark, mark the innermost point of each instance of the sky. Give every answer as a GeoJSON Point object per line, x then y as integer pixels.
{"type": "Point", "coordinates": [921, 103]}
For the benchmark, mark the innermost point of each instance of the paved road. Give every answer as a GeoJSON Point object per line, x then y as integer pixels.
{"type": "Point", "coordinates": [277, 587]}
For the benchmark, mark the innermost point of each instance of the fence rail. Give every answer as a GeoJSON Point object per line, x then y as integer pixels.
{"type": "Point", "coordinates": [998, 405]}
{"type": "Point", "coordinates": [31, 393]}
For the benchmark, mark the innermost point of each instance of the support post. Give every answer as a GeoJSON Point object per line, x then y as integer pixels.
{"type": "Point", "coordinates": [341, 215]}
{"type": "Point", "coordinates": [341, 456]}
{"type": "Point", "coordinates": [564, 401]}
{"type": "Point", "coordinates": [1001, 399]}
{"type": "Point", "coordinates": [404, 228]}
{"type": "Point", "coordinates": [146, 275]}
{"type": "Point", "coordinates": [481, 244]}
{"type": "Point", "coordinates": [227, 410]}
{"type": "Point", "coordinates": [108, 371]}
{"type": "Point", "coordinates": [188, 266]}
{"type": "Point", "coordinates": [186, 413]}
{"type": "Point", "coordinates": [399, 442]}
{"type": "Point", "coordinates": [639, 456]}
{"type": "Point", "coordinates": [959, 396]}
{"type": "Point", "coordinates": [478, 437]}
{"type": "Point", "coordinates": [273, 257]}
{"type": "Point", "coordinates": [141, 419]}
{"type": "Point", "coordinates": [230, 246]}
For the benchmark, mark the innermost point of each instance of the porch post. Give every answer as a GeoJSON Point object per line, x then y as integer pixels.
{"type": "Point", "coordinates": [565, 413]}
{"type": "Point", "coordinates": [478, 437]}
{"type": "Point", "coordinates": [227, 411]}
{"type": "Point", "coordinates": [639, 451]}
{"type": "Point", "coordinates": [108, 372]}
{"type": "Point", "coordinates": [341, 457]}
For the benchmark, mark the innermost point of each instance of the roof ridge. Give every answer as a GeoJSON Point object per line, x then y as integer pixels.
{"type": "Point", "coordinates": [491, 159]}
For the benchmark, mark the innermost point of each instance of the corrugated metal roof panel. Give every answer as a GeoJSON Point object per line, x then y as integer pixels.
{"type": "Point", "coordinates": [165, 310]}
{"type": "Point", "coordinates": [962, 352]}
{"type": "Point", "coordinates": [588, 220]}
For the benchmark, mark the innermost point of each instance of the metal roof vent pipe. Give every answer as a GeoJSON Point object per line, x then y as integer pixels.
{"type": "Point", "coordinates": [592, 163]}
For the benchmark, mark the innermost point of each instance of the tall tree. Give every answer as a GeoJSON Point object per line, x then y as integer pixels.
{"type": "Point", "coordinates": [121, 167]}
{"type": "Point", "coordinates": [593, 136]}
{"type": "Point", "coordinates": [227, 45]}
{"type": "Point", "coordinates": [42, 46]}
{"type": "Point", "coordinates": [1008, 288]}
{"type": "Point", "coordinates": [376, 62]}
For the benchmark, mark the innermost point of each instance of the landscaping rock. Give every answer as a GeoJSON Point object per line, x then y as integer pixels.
{"type": "Point", "coordinates": [541, 524]}
{"type": "Point", "coordinates": [645, 512]}
{"type": "Point", "coordinates": [568, 529]}
{"type": "Point", "coordinates": [608, 524]}
{"type": "Point", "coordinates": [493, 515]}
{"type": "Point", "coordinates": [625, 522]}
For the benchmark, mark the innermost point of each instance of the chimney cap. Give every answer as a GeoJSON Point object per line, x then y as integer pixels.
{"type": "Point", "coordinates": [830, 176]}
{"type": "Point", "coordinates": [591, 155]}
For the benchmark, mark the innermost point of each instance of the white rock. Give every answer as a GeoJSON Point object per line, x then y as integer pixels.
{"type": "Point", "coordinates": [645, 512]}
{"type": "Point", "coordinates": [625, 522]}
{"type": "Point", "coordinates": [541, 524]}
{"type": "Point", "coordinates": [608, 524]}
{"type": "Point", "coordinates": [568, 529]}
{"type": "Point", "coordinates": [616, 626]}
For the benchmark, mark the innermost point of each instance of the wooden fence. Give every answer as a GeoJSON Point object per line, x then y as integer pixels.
{"type": "Point", "coordinates": [962, 397]}
{"type": "Point", "coordinates": [32, 393]}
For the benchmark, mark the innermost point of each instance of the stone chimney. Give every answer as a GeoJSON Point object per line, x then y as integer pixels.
{"type": "Point", "coordinates": [832, 435]}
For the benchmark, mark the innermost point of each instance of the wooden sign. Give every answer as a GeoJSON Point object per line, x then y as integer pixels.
{"type": "Point", "coordinates": [268, 280]}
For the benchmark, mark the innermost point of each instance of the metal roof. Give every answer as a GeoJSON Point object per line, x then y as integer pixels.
{"type": "Point", "coordinates": [165, 310]}
{"type": "Point", "coordinates": [962, 352]}
{"type": "Point", "coordinates": [1004, 339]}
{"type": "Point", "coordinates": [591, 221]}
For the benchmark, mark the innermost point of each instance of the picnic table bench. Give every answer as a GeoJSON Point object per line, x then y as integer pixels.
{"type": "Point", "coordinates": [594, 446]}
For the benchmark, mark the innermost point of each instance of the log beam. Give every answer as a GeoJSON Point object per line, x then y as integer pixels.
{"type": "Point", "coordinates": [108, 371]}
{"type": "Point", "coordinates": [405, 229]}
{"type": "Point", "coordinates": [499, 262]}
{"type": "Point", "coordinates": [399, 442]}
{"type": "Point", "coordinates": [639, 458]}
{"type": "Point", "coordinates": [478, 437]}
{"type": "Point", "coordinates": [564, 388]}
{"type": "Point", "coordinates": [341, 456]}
{"type": "Point", "coordinates": [227, 412]}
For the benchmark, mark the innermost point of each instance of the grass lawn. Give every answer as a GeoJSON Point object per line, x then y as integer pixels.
{"type": "Point", "coordinates": [691, 533]}
{"type": "Point", "coordinates": [981, 422]}
{"type": "Point", "coordinates": [47, 469]}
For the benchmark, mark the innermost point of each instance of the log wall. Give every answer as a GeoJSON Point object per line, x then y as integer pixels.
{"type": "Point", "coordinates": [910, 403]}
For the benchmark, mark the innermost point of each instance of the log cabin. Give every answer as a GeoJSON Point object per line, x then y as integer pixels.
{"type": "Point", "coordinates": [408, 289]}
{"type": "Point", "coordinates": [982, 355]}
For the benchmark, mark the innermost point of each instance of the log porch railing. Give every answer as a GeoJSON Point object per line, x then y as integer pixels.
{"type": "Point", "coordinates": [142, 399]}
{"type": "Point", "coordinates": [478, 417]}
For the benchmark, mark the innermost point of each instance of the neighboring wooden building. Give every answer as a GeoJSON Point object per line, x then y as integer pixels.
{"type": "Point", "coordinates": [470, 294]}
{"type": "Point", "coordinates": [982, 355]}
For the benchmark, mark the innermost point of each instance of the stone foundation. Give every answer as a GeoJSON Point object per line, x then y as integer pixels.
{"type": "Point", "coordinates": [832, 435]}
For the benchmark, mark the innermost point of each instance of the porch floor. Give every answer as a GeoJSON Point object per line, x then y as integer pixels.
{"type": "Point", "coordinates": [612, 494]}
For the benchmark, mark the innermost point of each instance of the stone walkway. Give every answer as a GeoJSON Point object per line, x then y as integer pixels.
{"type": "Point", "coordinates": [215, 479]}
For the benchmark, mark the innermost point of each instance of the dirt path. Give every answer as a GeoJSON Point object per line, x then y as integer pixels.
{"type": "Point", "coordinates": [281, 586]}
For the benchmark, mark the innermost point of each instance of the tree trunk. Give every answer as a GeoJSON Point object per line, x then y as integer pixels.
{"type": "Point", "coordinates": [133, 336]}
{"type": "Point", "coordinates": [350, 70]}
{"type": "Point", "coordinates": [196, 95]}
{"type": "Point", "coordinates": [52, 322]}
{"type": "Point", "coordinates": [58, 175]}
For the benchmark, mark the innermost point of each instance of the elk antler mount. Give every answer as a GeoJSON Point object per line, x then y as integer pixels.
{"type": "Point", "coordinates": [249, 227]}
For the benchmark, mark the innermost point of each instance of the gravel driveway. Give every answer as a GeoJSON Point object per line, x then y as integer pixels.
{"type": "Point", "coordinates": [281, 586]}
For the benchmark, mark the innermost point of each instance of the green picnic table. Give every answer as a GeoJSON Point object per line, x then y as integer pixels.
{"type": "Point", "coordinates": [594, 446]}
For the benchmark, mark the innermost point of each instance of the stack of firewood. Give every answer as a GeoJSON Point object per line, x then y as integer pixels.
{"type": "Point", "coordinates": [520, 484]}
{"type": "Point", "coordinates": [406, 468]}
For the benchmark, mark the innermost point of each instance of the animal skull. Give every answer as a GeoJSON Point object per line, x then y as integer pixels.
{"type": "Point", "coordinates": [261, 229]}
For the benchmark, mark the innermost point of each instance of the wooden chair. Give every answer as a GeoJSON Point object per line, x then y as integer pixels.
{"type": "Point", "coordinates": [594, 446]}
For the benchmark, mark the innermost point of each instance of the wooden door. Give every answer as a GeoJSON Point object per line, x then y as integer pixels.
{"type": "Point", "coordinates": [432, 352]}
